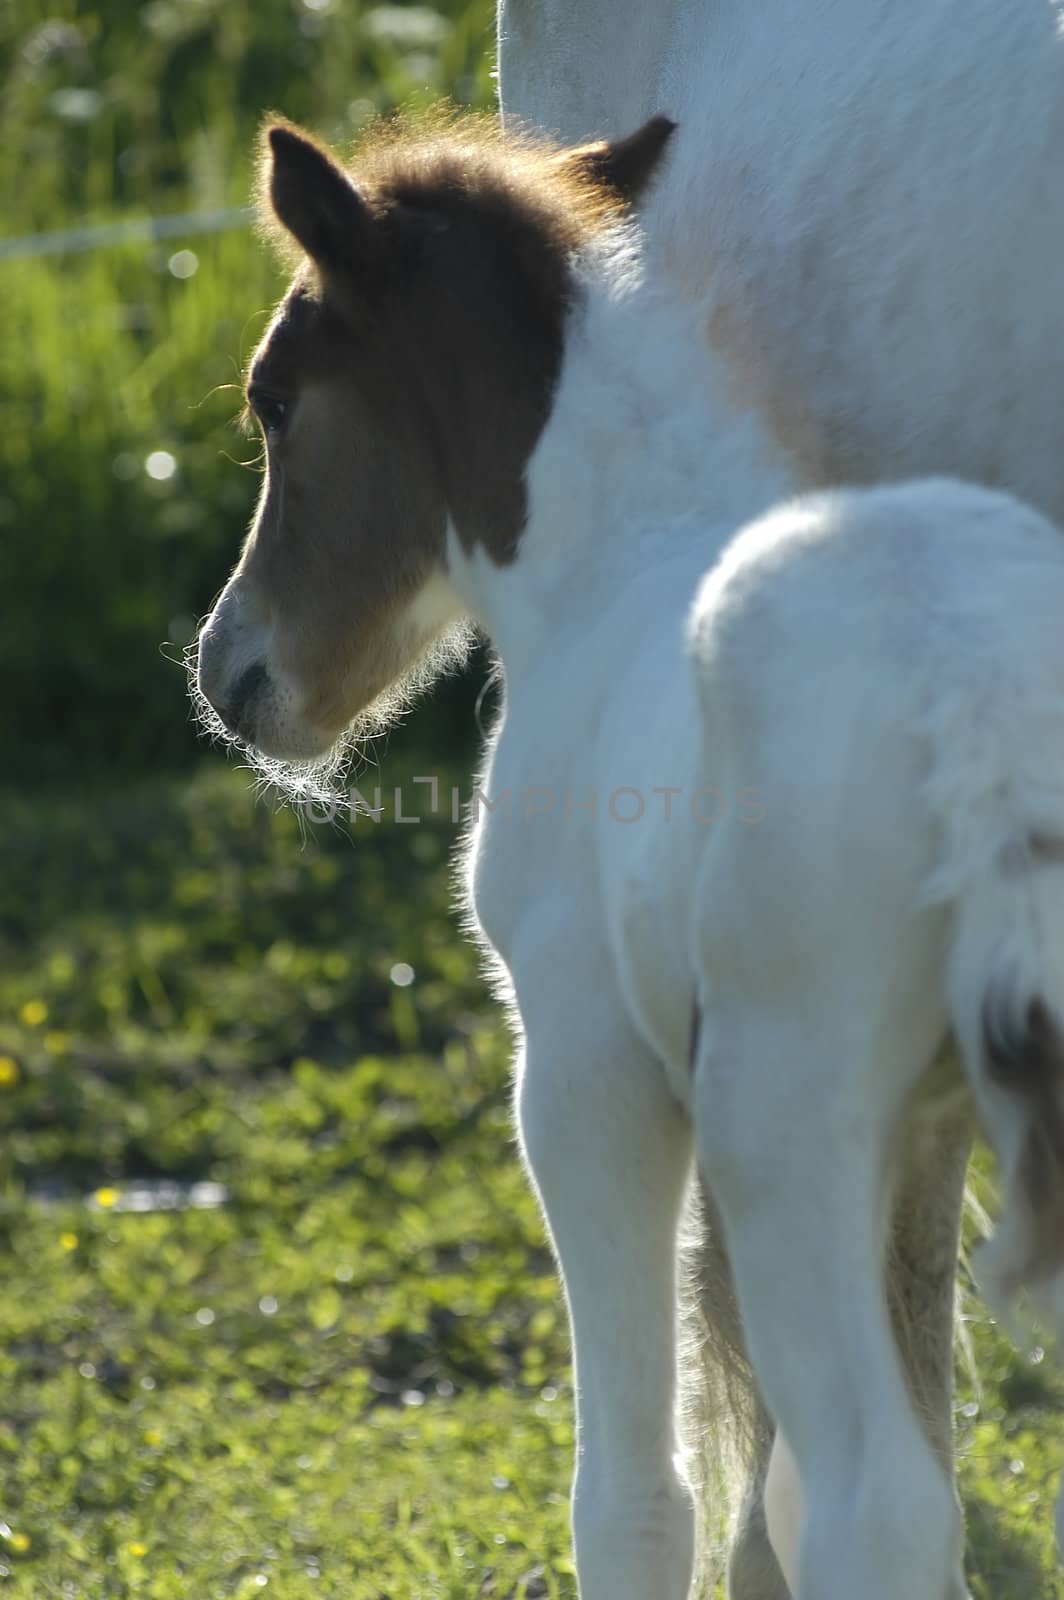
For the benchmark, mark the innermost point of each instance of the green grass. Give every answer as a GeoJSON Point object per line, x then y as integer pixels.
{"type": "Point", "coordinates": [349, 1379]}
{"type": "Point", "coordinates": [356, 1366]}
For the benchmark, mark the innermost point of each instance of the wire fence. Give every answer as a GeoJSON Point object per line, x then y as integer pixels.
{"type": "Point", "coordinates": [133, 230]}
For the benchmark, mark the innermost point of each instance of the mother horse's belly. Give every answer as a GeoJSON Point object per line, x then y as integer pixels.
{"type": "Point", "coordinates": [881, 213]}
{"type": "Point", "coordinates": [867, 200]}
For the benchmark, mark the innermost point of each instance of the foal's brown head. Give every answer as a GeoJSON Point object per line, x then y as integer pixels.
{"type": "Point", "coordinates": [401, 388]}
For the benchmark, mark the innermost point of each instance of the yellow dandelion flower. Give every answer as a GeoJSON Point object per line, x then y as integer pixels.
{"type": "Point", "coordinates": [19, 1541]}
{"type": "Point", "coordinates": [69, 1241]}
{"type": "Point", "coordinates": [152, 1436]}
{"type": "Point", "coordinates": [33, 1013]}
{"type": "Point", "coordinates": [56, 1041]}
{"type": "Point", "coordinates": [9, 1072]}
{"type": "Point", "coordinates": [136, 1547]}
{"type": "Point", "coordinates": [106, 1198]}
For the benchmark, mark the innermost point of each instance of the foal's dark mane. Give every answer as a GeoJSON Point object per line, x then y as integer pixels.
{"type": "Point", "coordinates": [450, 163]}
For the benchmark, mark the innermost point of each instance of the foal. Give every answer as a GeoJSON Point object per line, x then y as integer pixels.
{"type": "Point", "coordinates": [785, 804]}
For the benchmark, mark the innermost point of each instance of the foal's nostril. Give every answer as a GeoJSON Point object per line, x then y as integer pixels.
{"type": "Point", "coordinates": [247, 686]}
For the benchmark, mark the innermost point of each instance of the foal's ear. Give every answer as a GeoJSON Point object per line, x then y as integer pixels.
{"type": "Point", "coordinates": [314, 199]}
{"type": "Point", "coordinates": [626, 165]}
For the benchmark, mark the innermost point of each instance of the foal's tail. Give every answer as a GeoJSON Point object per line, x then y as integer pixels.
{"type": "Point", "coordinates": [727, 1430]}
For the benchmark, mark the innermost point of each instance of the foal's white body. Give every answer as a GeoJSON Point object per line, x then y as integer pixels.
{"type": "Point", "coordinates": [591, 916]}
{"type": "Point", "coordinates": [600, 703]}
{"type": "Point", "coordinates": [824, 688]}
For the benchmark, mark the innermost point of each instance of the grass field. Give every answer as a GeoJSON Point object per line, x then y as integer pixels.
{"type": "Point", "coordinates": [347, 1377]}
{"type": "Point", "coordinates": [343, 1373]}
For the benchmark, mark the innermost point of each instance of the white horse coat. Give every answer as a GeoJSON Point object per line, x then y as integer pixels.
{"type": "Point", "coordinates": [865, 206]}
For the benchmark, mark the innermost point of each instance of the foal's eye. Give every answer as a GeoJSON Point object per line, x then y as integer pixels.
{"type": "Point", "coordinates": [269, 410]}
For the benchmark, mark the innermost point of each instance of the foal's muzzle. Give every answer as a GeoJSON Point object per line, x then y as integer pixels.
{"type": "Point", "coordinates": [238, 710]}
{"type": "Point", "coordinates": [229, 684]}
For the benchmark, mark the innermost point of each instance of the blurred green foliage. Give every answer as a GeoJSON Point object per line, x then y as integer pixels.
{"type": "Point", "coordinates": [115, 110]}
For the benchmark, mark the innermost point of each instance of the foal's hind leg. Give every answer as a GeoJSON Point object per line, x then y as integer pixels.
{"type": "Point", "coordinates": [609, 1150]}
{"type": "Point", "coordinates": [931, 1162]}
{"type": "Point", "coordinates": [794, 1130]}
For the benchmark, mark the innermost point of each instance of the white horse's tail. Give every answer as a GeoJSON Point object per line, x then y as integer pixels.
{"type": "Point", "coordinates": [996, 732]}
{"type": "Point", "coordinates": [1007, 994]}
{"type": "Point", "coordinates": [1007, 1001]}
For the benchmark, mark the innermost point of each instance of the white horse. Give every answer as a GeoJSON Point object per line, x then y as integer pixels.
{"type": "Point", "coordinates": [773, 810]}
{"type": "Point", "coordinates": [865, 213]}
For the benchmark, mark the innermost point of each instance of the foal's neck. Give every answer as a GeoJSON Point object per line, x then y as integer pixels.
{"type": "Point", "coordinates": [644, 461]}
